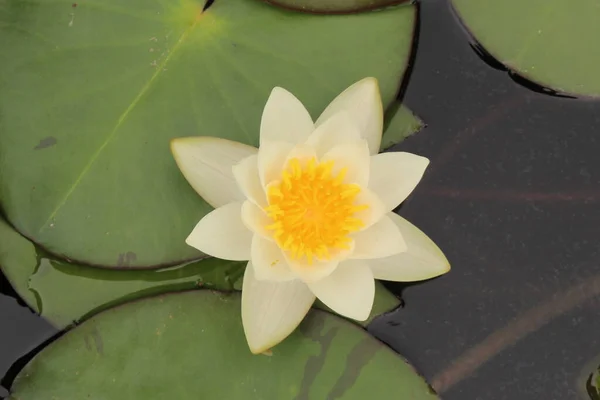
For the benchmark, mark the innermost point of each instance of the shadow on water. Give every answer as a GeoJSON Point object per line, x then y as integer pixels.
{"type": "Point", "coordinates": [7, 290]}
{"type": "Point", "coordinates": [16, 367]}
{"type": "Point", "coordinates": [519, 79]}
{"type": "Point", "coordinates": [592, 385]}
{"type": "Point", "coordinates": [22, 335]}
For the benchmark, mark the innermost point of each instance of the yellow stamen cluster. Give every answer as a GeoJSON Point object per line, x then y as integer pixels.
{"type": "Point", "coordinates": [313, 211]}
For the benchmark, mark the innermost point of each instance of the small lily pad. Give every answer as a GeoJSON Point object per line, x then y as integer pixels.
{"type": "Point", "coordinates": [50, 286]}
{"type": "Point", "coordinates": [333, 6]}
{"type": "Point", "coordinates": [192, 346]}
{"type": "Point", "coordinates": [546, 41]}
{"type": "Point", "coordinates": [400, 123]}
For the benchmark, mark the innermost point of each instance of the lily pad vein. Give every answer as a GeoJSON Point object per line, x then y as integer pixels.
{"type": "Point", "coordinates": [227, 101]}
{"type": "Point", "coordinates": [160, 67]}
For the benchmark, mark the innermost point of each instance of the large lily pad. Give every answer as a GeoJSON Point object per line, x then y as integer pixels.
{"type": "Point", "coordinates": [546, 41]}
{"type": "Point", "coordinates": [50, 286]}
{"type": "Point", "coordinates": [92, 91]}
{"type": "Point", "coordinates": [192, 346]}
{"type": "Point", "coordinates": [333, 6]}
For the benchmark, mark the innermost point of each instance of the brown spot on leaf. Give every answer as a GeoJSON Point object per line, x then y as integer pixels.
{"type": "Point", "coordinates": [45, 143]}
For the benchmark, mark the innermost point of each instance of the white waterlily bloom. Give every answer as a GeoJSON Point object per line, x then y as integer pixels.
{"type": "Point", "coordinates": [310, 210]}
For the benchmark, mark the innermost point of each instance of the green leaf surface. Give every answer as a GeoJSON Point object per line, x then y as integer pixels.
{"type": "Point", "coordinates": [64, 293]}
{"type": "Point", "coordinates": [333, 6]}
{"type": "Point", "coordinates": [400, 123]}
{"type": "Point", "coordinates": [191, 346]}
{"type": "Point", "coordinates": [546, 41]}
{"type": "Point", "coordinates": [91, 93]}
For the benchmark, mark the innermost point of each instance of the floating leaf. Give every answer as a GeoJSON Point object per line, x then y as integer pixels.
{"type": "Point", "coordinates": [91, 93]}
{"type": "Point", "coordinates": [191, 345]}
{"type": "Point", "coordinates": [333, 6]}
{"type": "Point", "coordinates": [400, 124]}
{"type": "Point", "coordinates": [50, 286]}
{"type": "Point", "coordinates": [546, 41]}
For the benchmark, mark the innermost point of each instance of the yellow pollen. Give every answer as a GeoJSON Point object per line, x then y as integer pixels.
{"type": "Point", "coordinates": [312, 211]}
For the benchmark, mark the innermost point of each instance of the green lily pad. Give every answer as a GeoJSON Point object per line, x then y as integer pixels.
{"type": "Point", "coordinates": [546, 41]}
{"type": "Point", "coordinates": [92, 92]}
{"type": "Point", "coordinates": [191, 346]}
{"type": "Point", "coordinates": [50, 286]}
{"type": "Point", "coordinates": [333, 6]}
{"type": "Point", "coordinates": [400, 123]}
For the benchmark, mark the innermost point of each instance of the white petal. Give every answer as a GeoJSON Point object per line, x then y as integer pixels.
{"type": "Point", "coordinates": [362, 101]}
{"type": "Point", "coordinates": [256, 219]}
{"type": "Point", "coordinates": [246, 175]}
{"type": "Point", "coordinates": [422, 259]}
{"type": "Point", "coordinates": [338, 129]}
{"type": "Point", "coordinates": [383, 239]}
{"type": "Point", "coordinates": [311, 272]}
{"type": "Point", "coordinates": [272, 156]}
{"type": "Point", "coordinates": [355, 157]}
{"type": "Point", "coordinates": [319, 269]}
{"type": "Point", "coordinates": [349, 290]}
{"type": "Point", "coordinates": [375, 211]}
{"type": "Point", "coordinates": [284, 118]}
{"type": "Point", "coordinates": [268, 261]}
{"type": "Point", "coordinates": [206, 163]}
{"type": "Point", "coordinates": [272, 310]}
{"type": "Point", "coordinates": [222, 234]}
{"type": "Point", "coordinates": [394, 176]}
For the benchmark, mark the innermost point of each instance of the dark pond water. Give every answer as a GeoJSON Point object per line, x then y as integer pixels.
{"type": "Point", "coordinates": [513, 198]}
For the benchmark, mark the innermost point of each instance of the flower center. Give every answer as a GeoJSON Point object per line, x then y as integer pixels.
{"type": "Point", "coordinates": [313, 211]}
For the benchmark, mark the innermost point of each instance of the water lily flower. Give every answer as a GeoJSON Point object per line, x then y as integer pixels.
{"type": "Point", "coordinates": [310, 209]}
